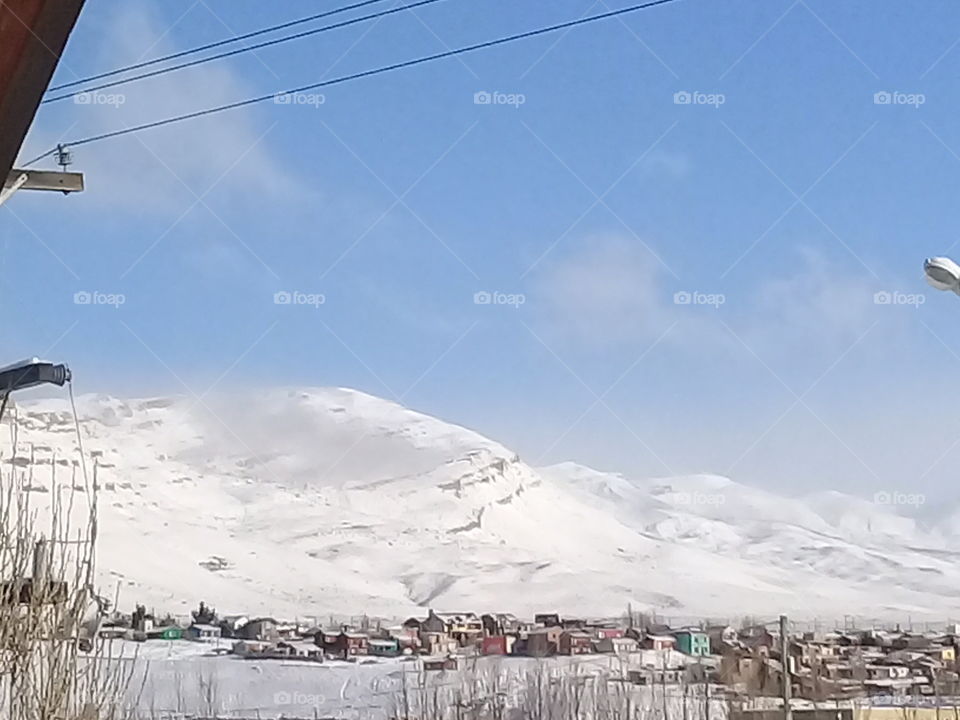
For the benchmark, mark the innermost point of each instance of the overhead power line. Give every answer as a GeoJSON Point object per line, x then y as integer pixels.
{"type": "Point", "coordinates": [357, 76]}
{"type": "Point", "coordinates": [211, 46]}
{"type": "Point", "coordinates": [238, 51]}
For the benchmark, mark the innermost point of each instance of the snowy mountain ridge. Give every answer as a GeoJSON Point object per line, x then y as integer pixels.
{"type": "Point", "coordinates": [299, 502]}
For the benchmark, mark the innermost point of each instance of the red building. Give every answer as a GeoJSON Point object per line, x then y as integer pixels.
{"type": "Point", "coordinates": [497, 645]}
{"type": "Point", "coordinates": [659, 642]}
{"type": "Point", "coordinates": [575, 642]}
{"type": "Point", "coordinates": [349, 644]}
{"type": "Point", "coordinates": [609, 633]}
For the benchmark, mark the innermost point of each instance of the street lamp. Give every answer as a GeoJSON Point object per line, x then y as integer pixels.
{"type": "Point", "coordinates": [30, 373]}
{"type": "Point", "coordinates": [942, 273]}
{"type": "Point", "coordinates": [27, 374]}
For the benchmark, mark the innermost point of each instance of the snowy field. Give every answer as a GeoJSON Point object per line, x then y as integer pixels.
{"type": "Point", "coordinates": [177, 679]}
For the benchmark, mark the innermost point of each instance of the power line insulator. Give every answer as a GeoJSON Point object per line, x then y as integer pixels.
{"type": "Point", "coordinates": [64, 157]}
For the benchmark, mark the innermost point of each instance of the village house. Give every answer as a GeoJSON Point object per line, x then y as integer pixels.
{"type": "Point", "coordinates": [259, 629]}
{"type": "Point", "coordinates": [693, 642]}
{"type": "Point", "coordinates": [809, 652]}
{"type": "Point", "coordinates": [433, 634]}
{"type": "Point", "coordinates": [229, 624]}
{"type": "Point", "coordinates": [287, 630]}
{"type": "Point", "coordinates": [878, 637]}
{"type": "Point", "coordinates": [943, 653]}
{"type": "Point", "coordinates": [170, 632]}
{"type": "Point", "coordinates": [652, 676]}
{"type": "Point", "coordinates": [658, 642]}
{"type": "Point", "coordinates": [203, 633]}
{"type": "Point", "coordinates": [383, 646]}
{"type": "Point", "coordinates": [112, 631]}
{"type": "Point", "coordinates": [547, 620]}
{"type": "Point", "coordinates": [413, 624]}
{"type": "Point", "coordinates": [408, 638]}
{"type": "Point", "coordinates": [348, 644]}
{"type": "Point", "coordinates": [500, 624]}
{"type": "Point", "coordinates": [497, 645]}
{"type": "Point", "coordinates": [283, 650]}
{"type": "Point", "coordinates": [600, 632]}
{"type": "Point", "coordinates": [141, 620]}
{"type": "Point", "coordinates": [621, 646]}
{"type": "Point", "coordinates": [887, 672]}
{"type": "Point", "coordinates": [321, 638]}
{"type": "Point", "coordinates": [301, 649]}
{"type": "Point", "coordinates": [908, 641]}
{"type": "Point", "coordinates": [543, 641]}
{"type": "Point", "coordinates": [250, 648]}
{"type": "Point", "coordinates": [750, 672]}
{"type": "Point", "coordinates": [893, 681]}
{"type": "Point", "coordinates": [756, 637]}
{"type": "Point", "coordinates": [575, 642]}
{"type": "Point", "coordinates": [721, 637]}
{"type": "Point", "coordinates": [436, 664]}
{"type": "Point", "coordinates": [465, 628]}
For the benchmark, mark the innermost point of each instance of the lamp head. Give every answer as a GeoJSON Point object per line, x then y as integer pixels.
{"type": "Point", "coordinates": [942, 273]}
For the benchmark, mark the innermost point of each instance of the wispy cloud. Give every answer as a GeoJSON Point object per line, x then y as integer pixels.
{"type": "Point", "coordinates": [607, 292]}
{"type": "Point", "coordinates": [155, 177]}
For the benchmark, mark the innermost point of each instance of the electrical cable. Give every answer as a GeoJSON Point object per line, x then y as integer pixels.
{"type": "Point", "coordinates": [238, 51]}
{"type": "Point", "coordinates": [356, 76]}
{"type": "Point", "coordinates": [211, 46]}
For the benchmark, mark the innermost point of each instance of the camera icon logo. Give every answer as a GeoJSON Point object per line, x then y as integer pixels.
{"type": "Point", "coordinates": [282, 297]}
{"type": "Point", "coordinates": [882, 98]}
{"type": "Point", "coordinates": [682, 97]}
{"type": "Point", "coordinates": [682, 298]}
{"type": "Point", "coordinates": [482, 98]}
{"type": "Point", "coordinates": [82, 297]}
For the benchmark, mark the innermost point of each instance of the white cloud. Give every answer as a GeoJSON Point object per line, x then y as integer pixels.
{"type": "Point", "coordinates": [611, 291]}
{"type": "Point", "coordinates": [813, 303]}
{"type": "Point", "coordinates": [146, 173]}
{"type": "Point", "coordinates": [608, 292]}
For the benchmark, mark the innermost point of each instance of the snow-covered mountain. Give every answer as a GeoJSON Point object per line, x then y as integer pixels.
{"type": "Point", "coordinates": [329, 501]}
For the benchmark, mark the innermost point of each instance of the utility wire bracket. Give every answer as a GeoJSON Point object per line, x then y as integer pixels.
{"type": "Point", "coordinates": [65, 182]}
{"type": "Point", "coordinates": [9, 188]}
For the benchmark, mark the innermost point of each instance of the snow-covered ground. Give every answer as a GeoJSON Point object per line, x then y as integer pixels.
{"type": "Point", "coordinates": [177, 678]}
{"type": "Point", "coordinates": [312, 502]}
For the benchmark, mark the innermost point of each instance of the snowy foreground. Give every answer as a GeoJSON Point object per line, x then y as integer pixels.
{"type": "Point", "coordinates": [175, 679]}
{"type": "Point", "coordinates": [309, 503]}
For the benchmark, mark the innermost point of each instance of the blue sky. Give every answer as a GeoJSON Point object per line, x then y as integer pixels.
{"type": "Point", "coordinates": [785, 189]}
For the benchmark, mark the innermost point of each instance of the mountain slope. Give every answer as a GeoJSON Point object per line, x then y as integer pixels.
{"type": "Point", "coordinates": [310, 502]}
